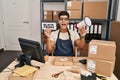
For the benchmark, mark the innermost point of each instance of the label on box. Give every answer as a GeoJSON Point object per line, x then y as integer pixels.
{"type": "Point", "coordinates": [63, 59]}
{"type": "Point", "coordinates": [93, 49]}
{"type": "Point", "coordinates": [69, 3]}
{"type": "Point", "coordinates": [45, 17]}
{"type": "Point", "coordinates": [69, 12]}
{"type": "Point", "coordinates": [91, 65]}
{"type": "Point", "coordinates": [45, 12]}
{"type": "Point", "coordinates": [55, 13]}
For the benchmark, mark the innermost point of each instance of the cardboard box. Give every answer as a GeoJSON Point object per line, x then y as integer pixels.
{"type": "Point", "coordinates": [115, 36]}
{"type": "Point", "coordinates": [83, 52]}
{"type": "Point", "coordinates": [96, 0]}
{"type": "Point", "coordinates": [74, 13]}
{"type": "Point", "coordinates": [19, 78]}
{"type": "Point", "coordinates": [74, 4]}
{"type": "Point", "coordinates": [63, 61]}
{"type": "Point", "coordinates": [101, 49]}
{"type": "Point", "coordinates": [48, 15]}
{"type": "Point", "coordinates": [55, 15]}
{"type": "Point", "coordinates": [95, 10]}
{"type": "Point", "coordinates": [102, 67]}
{"type": "Point", "coordinates": [48, 12]}
{"type": "Point", "coordinates": [25, 72]}
{"type": "Point", "coordinates": [115, 27]}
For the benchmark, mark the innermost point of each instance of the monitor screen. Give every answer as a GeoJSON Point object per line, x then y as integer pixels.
{"type": "Point", "coordinates": [32, 48]}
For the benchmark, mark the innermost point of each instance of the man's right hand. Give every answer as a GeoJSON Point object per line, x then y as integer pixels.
{"type": "Point", "coordinates": [47, 32]}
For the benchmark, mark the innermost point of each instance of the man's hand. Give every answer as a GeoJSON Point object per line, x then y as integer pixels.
{"type": "Point", "coordinates": [82, 31]}
{"type": "Point", "coordinates": [47, 32]}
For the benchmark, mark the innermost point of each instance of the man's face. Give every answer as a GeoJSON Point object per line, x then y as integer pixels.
{"type": "Point", "coordinates": [63, 21]}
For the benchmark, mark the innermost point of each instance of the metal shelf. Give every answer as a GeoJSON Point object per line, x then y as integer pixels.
{"type": "Point", "coordinates": [111, 15]}
{"type": "Point", "coordinates": [52, 0]}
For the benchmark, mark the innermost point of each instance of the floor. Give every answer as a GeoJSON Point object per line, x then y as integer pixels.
{"type": "Point", "coordinates": [6, 57]}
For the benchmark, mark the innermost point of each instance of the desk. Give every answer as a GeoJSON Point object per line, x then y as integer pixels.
{"type": "Point", "coordinates": [47, 69]}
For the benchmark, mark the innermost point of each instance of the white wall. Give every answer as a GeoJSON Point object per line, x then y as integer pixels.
{"type": "Point", "coordinates": [118, 15]}
{"type": "Point", "coordinates": [54, 6]}
{"type": "Point", "coordinates": [1, 28]}
{"type": "Point", "coordinates": [35, 19]}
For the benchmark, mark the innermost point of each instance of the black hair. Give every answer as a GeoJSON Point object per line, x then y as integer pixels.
{"type": "Point", "coordinates": [63, 13]}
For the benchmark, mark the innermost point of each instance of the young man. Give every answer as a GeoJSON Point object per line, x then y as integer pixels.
{"type": "Point", "coordinates": [62, 41]}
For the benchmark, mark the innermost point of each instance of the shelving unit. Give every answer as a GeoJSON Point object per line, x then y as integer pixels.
{"type": "Point", "coordinates": [105, 23]}
{"type": "Point", "coordinates": [53, 0]}
{"type": "Point", "coordinates": [52, 7]}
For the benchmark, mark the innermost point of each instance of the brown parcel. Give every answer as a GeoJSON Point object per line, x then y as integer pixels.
{"type": "Point", "coordinates": [25, 72]}
{"type": "Point", "coordinates": [63, 61]}
{"type": "Point", "coordinates": [48, 15]}
{"type": "Point", "coordinates": [74, 4]}
{"type": "Point", "coordinates": [74, 13]}
{"type": "Point", "coordinates": [101, 67]}
{"type": "Point", "coordinates": [31, 77]}
{"type": "Point", "coordinates": [95, 10]}
{"type": "Point", "coordinates": [55, 15]}
{"type": "Point", "coordinates": [20, 78]}
{"type": "Point", "coordinates": [101, 49]}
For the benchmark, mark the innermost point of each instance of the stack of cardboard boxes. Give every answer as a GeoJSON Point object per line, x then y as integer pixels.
{"type": "Point", "coordinates": [51, 15]}
{"type": "Point", "coordinates": [101, 57]}
{"type": "Point", "coordinates": [78, 9]}
{"type": "Point", "coordinates": [74, 8]}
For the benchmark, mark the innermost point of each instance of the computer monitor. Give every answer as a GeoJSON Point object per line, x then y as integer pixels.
{"type": "Point", "coordinates": [32, 48]}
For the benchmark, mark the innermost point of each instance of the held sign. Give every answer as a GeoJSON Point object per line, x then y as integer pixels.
{"type": "Point", "coordinates": [50, 25]}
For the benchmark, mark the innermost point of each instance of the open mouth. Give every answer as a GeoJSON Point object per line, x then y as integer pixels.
{"type": "Point", "coordinates": [63, 24]}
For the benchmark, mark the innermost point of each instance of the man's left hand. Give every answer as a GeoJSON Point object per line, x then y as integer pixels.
{"type": "Point", "coordinates": [82, 31]}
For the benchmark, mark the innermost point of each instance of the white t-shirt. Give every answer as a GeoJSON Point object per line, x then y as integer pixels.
{"type": "Point", "coordinates": [64, 36]}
